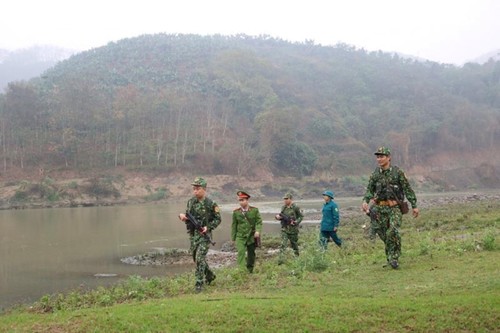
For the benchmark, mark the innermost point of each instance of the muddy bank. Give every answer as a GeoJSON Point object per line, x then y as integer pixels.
{"type": "Point", "coordinates": [160, 257]}
{"type": "Point", "coordinates": [224, 257]}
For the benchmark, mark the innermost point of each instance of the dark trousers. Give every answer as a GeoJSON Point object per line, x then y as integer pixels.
{"type": "Point", "coordinates": [325, 236]}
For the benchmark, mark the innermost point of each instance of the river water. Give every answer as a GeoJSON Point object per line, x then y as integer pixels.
{"type": "Point", "coordinates": [45, 251]}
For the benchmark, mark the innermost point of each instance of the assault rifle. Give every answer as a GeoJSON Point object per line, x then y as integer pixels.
{"type": "Point", "coordinates": [285, 220]}
{"type": "Point", "coordinates": [372, 213]}
{"type": "Point", "coordinates": [193, 224]}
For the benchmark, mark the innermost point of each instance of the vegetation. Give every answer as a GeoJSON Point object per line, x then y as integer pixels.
{"type": "Point", "coordinates": [232, 105]}
{"type": "Point", "coordinates": [448, 282]}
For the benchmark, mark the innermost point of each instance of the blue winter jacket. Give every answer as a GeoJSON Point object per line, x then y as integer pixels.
{"type": "Point", "coordinates": [331, 217]}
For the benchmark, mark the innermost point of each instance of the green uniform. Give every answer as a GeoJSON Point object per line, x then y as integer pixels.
{"type": "Point", "coordinates": [384, 185]}
{"type": "Point", "coordinates": [208, 215]}
{"type": "Point", "coordinates": [291, 232]}
{"type": "Point", "coordinates": [243, 228]}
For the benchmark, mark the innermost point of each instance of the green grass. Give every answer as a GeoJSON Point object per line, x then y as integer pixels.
{"type": "Point", "coordinates": [449, 281]}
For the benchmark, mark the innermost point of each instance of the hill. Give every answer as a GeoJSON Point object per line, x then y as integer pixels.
{"type": "Point", "coordinates": [254, 106]}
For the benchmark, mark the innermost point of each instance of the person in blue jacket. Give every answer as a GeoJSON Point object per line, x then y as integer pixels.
{"type": "Point", "coordinates": [329, 222]}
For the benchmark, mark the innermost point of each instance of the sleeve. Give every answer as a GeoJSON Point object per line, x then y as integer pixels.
{"type": "Point", "coordinates": [188, 206]}
{"type": "Point", "coordinates": [216, 217]}
{"type": "Point", "coordinates": [335, 215]}
{"type": "Point", "coordinates": [258, 221]}
{"type": "Point", "coordinates": [370, 190]}
{"type": "Point", "coordinates": [298, 214]}
{"type": "Point", "coordinates": [408, 191]}
{"type": "Point", "coordinates": [234, 227]}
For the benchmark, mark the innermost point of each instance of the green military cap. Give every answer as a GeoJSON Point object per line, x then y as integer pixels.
{"type": "Point", "coordinates": [329, 194]}
{"type": "Point", "coordinates": [288, 195]}
{"type": "Point", "coordinates": [383, 151]}
{"type": "Point", "coordinates": [243, 194]}
{"type": "Point", "coordinates": [198, 181]}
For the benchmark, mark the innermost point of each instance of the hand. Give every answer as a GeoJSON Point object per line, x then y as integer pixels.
{"type": "Point", "coordinates": [293, 222]}
{"type": "Point", "coordinates": [364, 207]}
{"type": "Point", "coordinates": [256, 234]}
{"type": "Point", "coordinates": [278, 217]}
{"type": "Point", "coordinates": [182, 217]}
{"type": "Point", "coordinates": [204, 230]}
{"type": "Point", "coordinates": [415, 212]}
{"type": "Point", "coordinates": [335, 229]}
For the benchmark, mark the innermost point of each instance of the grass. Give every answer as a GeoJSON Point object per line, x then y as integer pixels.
{"type": "Point", "coordinates": [449, 281]}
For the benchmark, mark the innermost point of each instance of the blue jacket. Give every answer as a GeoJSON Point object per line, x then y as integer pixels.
{"type": "Point", "coordinates": [331, 217]}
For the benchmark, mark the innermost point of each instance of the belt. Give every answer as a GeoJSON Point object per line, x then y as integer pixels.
{"type": "Point", "coordinates": [390, 203]}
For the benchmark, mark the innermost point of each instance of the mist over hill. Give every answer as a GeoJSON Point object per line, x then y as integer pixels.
{"type": "Point", "coordinates": [493, 56]}
{"type": "Point", "coordinates": [258, 106]}
{"type": "Point", "coordinates": [28, 63]}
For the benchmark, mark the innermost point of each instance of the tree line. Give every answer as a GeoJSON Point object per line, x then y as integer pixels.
{"type": "Point", "coordinates": [236, 104]}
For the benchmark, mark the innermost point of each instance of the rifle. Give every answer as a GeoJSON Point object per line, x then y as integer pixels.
{"type": "Point", "coordinates": [403, 205]}
{"type": "Point", "coordinates": [372, 214]}
{"type": "Point", "coordinates": [195, 225]}
{"type": "Point", "coordinates": [285, 220]}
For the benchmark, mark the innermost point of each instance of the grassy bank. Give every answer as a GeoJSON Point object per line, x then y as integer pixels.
{"type": "Point", "coordinates": [449, 281]}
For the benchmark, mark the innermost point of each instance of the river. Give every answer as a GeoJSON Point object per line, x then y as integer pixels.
{"type": "Point", "coordinates": [45, 251]}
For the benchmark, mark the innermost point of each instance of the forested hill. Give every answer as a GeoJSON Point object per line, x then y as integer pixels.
{"type": "Point", "coordinates": [240, 104]}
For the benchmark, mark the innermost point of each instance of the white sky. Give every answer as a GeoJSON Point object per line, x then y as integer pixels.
{"type": "Point", "coordinates": [449, 31]}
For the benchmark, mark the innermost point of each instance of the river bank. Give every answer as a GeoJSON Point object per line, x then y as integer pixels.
{"type": "Point", "coordinates": [131, 188]}
{"type": "Point", "coordinates": [72, 190]}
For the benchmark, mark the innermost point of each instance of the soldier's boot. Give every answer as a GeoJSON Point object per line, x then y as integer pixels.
{"type": "Point", "coordinates": [210, 277]}
{"type": "Point", "coordinates": [198, 287]}
{"type": "Point", "coordinates": [394, 264]}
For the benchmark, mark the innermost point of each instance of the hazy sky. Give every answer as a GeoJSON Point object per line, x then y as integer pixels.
{"type": "Point", "coordinates": [450, 31]}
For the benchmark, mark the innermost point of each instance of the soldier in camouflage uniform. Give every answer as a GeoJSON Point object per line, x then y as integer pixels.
{"type": "Point", "coordinates": [386, 189]}
{"type": "Point", "coordinates": [207, 213]}
{"type": "Point", "coordinates": [289, 232]}
{"type": "Point", "coordinates": [245, 231]}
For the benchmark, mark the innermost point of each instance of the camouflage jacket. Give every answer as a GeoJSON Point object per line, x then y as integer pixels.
{"type": "Point", "coordinates": [206, 212]}
{"type": "Point", "coordinates": [295, 214]}
{"type": "Point", "coordinates": [390, 184]}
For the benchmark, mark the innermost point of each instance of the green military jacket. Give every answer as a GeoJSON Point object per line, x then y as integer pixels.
{"type": "Point", "coordinates": [390, 184]}
{"type": "Point", "coordinates": [293, 212]}
{"type": "Point", "coordinates": [206, 212]}
{"type": "Point", "coordinates": [245, 224]}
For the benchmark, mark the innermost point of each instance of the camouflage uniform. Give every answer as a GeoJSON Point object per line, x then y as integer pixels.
{"type": "Point", "coordinates": [207, 213]}
{"type": "Point", "coordinates": [243, 228]}
{"type": "Point", "coordinates": [390, 184]}
{"type": "Point", "coordinates": [290, 232]}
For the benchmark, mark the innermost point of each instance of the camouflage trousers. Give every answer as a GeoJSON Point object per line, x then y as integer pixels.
{"type": "Point", "coordinates": [287, 236]}
{"type": "Point", "coordinates": [199, 250]}
{"type": "Point", "coordinates": [386, 227]}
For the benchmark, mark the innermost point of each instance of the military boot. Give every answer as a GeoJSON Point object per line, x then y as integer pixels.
{"type": "Point", "coordinates": [210, 277]}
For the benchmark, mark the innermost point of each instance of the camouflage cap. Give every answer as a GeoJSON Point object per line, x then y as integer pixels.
{"type": "Point", "coordinates": [383, 151]}
{"type": "Point", "coordinates": [288, 195]}
{"type": "Point", "coordinates": [243, 194]}
{"type": "Point", "coordinates": [198, 181]}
